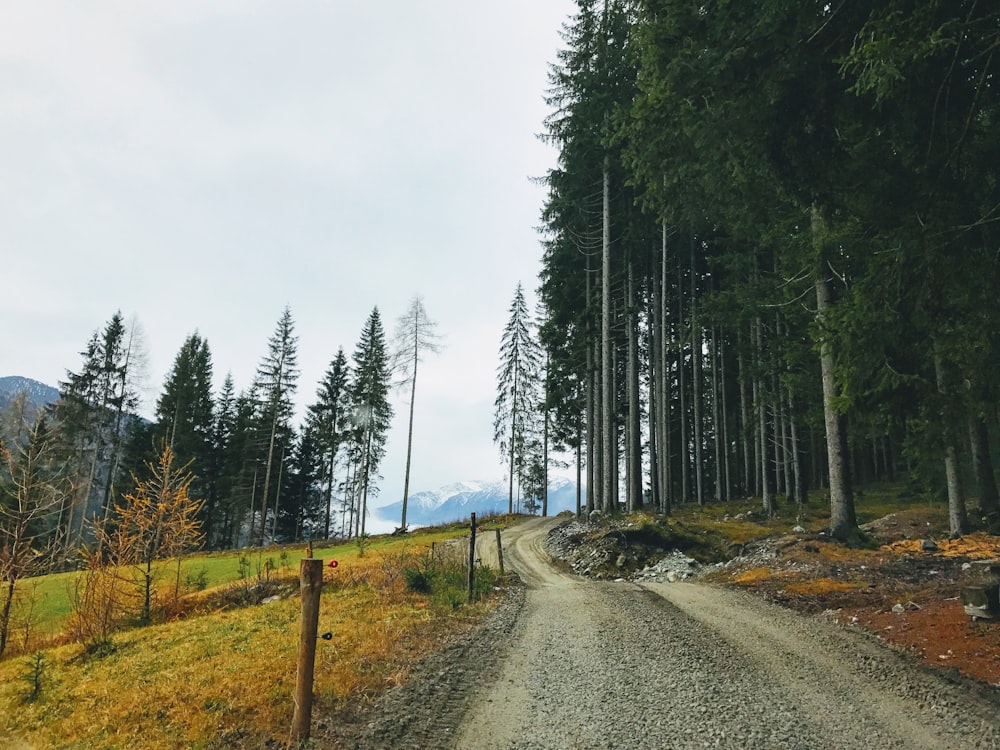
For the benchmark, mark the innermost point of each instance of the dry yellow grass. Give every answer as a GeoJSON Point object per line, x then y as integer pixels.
{"type": "Point", "coordinates": [753, 575]}
{"type": "Point", "coordinates": [823, 586]}
{"type": "Point", "coordinates": [226, 679]}
{"type": "Point", "coordinates": [978, 546]}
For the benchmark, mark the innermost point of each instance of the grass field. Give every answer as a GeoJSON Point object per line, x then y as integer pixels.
{"type": "Point", "coordinates": [225, 677]}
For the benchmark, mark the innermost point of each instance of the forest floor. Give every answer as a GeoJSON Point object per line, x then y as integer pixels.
{"type": "Point", "coordinates": [904, 589]}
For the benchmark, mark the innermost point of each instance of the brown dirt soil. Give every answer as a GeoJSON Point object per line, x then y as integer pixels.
{"type": "Point", "coordinates": [860, 588]}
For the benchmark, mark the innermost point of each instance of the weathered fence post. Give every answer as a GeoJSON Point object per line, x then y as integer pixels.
{"type": "Point", "coordinates": [311, 583]}
{"type": "Point", "coordinates": [472, 557]}
{"type": "Point", "coordinates": [499, 551]}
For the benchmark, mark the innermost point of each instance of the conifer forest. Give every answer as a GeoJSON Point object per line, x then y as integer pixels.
{"type": "Point", "coordinates": [771, 252]}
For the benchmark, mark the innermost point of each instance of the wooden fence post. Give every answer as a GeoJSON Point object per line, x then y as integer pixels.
{"type": "Point", "coordinates": [499, 551]}
{"type": "Point", "coordinates": [311, 584]}
{"type": "Point", "coordinates": [472, 557]}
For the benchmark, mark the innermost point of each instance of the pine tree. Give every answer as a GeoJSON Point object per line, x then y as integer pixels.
{"type": "Point", "coordinates": [328, 421]}
{"type": "Point", "coordinates": [370, 386]}
{"type": "Point", "coordinates": [93, 414]}
{"type": "Point", "coordinates": [516, 405]}
{"type": "Point", "coordinates": [415, 335]}
{"type": "Point", "coordinates": [302, 506]}
{"type": "Point", "coordinates": [186, 420]}
{"type": "Point", "coordinates": [224, 469]}
{"type": "Point", "coordinates": [274, 387]}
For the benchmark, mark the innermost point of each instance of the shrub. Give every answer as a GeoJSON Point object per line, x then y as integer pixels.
{"type": "Point", "coordinates": [445, 578]}
{"type": "Point", "coordinates": [417, 580]}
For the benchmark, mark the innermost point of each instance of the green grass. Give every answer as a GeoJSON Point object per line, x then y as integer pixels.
{"type": "Point", "coordinates": [53, 593]}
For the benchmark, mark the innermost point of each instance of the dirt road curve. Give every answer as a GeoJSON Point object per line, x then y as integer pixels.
{"type": "Point", "coordinates": [677, 665]}
{"type": "Point", "coordinates": [587, 664]}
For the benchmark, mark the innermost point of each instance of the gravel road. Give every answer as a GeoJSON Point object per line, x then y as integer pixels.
{"type": "Point", "coordinates": [573, 663]}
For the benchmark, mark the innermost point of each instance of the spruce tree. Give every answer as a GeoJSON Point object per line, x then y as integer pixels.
{"type": "Point", "coordinates": [274, 387]}
{"type": "Point", "coordinates": [372, 416]}
{"type": "Point", "coordinates": [328, 422]}
{"type": "Point", "coordinates": [185, 420]}
{"type": "Point", "coordinates": [94, 413]}
{"type": "Point", "coordinates": [515, 417]}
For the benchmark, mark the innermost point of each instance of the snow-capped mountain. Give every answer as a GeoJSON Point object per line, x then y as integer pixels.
{"type": "Point", "coordinates": [39, 394]}
{"type": "Point", "coordinates": [457, 501]}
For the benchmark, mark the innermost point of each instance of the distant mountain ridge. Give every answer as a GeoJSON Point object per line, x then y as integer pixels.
{"type": "Point", "coordinates": [39, 394]}
{"type": "Point", "coordinates": [456, 501]}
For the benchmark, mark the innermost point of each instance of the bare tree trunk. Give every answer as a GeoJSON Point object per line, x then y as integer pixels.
{"type": "Point", "coordinates": [545, 445]}
{"type": "Point", "coordinates": [409, 432]}
{"type": "Point", "coordinates": [633, 455]}
{"type": "Point", "coordinates": [270, 448]}
{"type": "Point", "coordinates": [665, 386]}
{"type": "Point", "coordinates": [593, 460]}
{"type": "Point", "coordinates": [579, 470]}
{"type": "Point", "coordinates": [608, 490]}
{"type": "Point", "coordinates": [653, 332]}
{"type": "Point", "coordinates": [957, 517]}
{"type": "Point", "coordinates": [744, 420]}
{"type": "Point", "coordinates": [798, 474]}
{"type": "Point", "coordinates": [726, 453]}
{"type": "Point", "coordinates": [683, 452]}
{"type": "Point", "coordinates": [329, 497]}
{"type": "Point", "coordinates": [780, 452]}
{"type": "Point", "coordinates": [843, 521]}
{"type": "Point", "coordinates": [277, 497]}
{"type": "Point", "coordinates": [767, 491]}
{"type": "Point", "coordinates": [982, 463]}
{"type": "Point", "coordinates": [593, 457]}
{"type": "Point", "coordinates": [696, 395]}
{"type": "Point", "coordinates": [717, 433]}
{"type": "Point", "coordinates": [612, 502]}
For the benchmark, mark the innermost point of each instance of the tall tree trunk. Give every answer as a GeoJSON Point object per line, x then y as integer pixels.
{"type": "Point", "coordinates": [798, 475]}
{"type": "Point", "coordinates": [277, 497]}
{"type": "Point", "coordinates": [717, 433]}
{"type": "Point", "coordinates": [270, 447]}
{"type": "Point", "coordinates": [665, 384]}
{"type": "Point", "coordinates": [696, 395]}
{"type": "Point", "coordinates": [957, 517]}
{"type": "Point", "coordinates": [545, 445]}
{"type": "Point", "coordinates": [579, 469]}
{"type": "Point", "coordinates": [633, 456]}
{"type": "Point", "coordinates": [365, 481]}
{"type": "Point", "coordinates": [744, 419]}
{"type": "Point", "coordinates": [982, 463]}
{"type": "Point", "coordinates": [409, 432]}
{"type": "Point", "coordinates": [726, 452]}
{"type": "Point", "coordinates": [329, 498]}
{"type": "Point", "coordinates": [593, 483]}
{"type": "Point", "coordinates": [653, 332]}
{"type": "Point", "coordinates": [608, 490]}
{"type": "Point", "coordinates": [780, 452]}
{"type": "Point", "coordinates": [767, 491]}
{"type": "Point", "coordinates": [683, 452]}
{"type": "Point", "coordinates": [843, 520]}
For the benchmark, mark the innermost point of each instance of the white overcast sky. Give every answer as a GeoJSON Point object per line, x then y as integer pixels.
{"type": "Point", "coordinates": [201, 164]}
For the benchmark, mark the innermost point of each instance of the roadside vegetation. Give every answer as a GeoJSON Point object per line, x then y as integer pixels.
{"type": "Point", "coordinates": [217, 667]}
